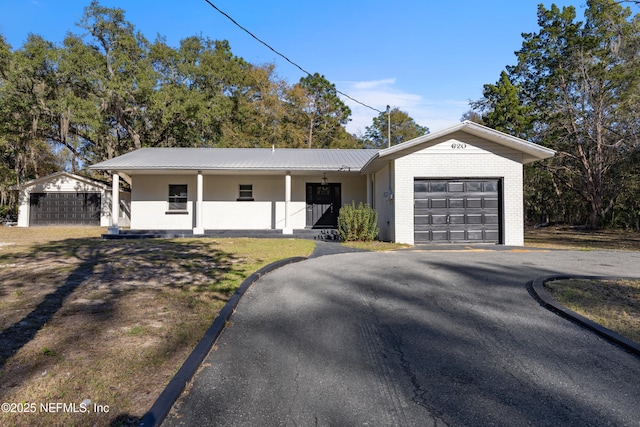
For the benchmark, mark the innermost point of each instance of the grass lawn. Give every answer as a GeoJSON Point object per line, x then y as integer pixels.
{"type": "Point", "coordinates": [613, 304]}
{"type": "Point", "coordinates": [574, 238]}
{"type": "Point", "coordinates": [375, 246]}
{"type": "Point", "coordinates": [110, 321]}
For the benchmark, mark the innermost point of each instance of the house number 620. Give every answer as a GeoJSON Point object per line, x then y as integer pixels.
{"type": "Point", "coordinates": [458, 145]}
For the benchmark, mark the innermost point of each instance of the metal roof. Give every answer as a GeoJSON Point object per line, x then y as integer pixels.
{"type": "Point", "coordinates": [257, 159]}
{"type": "Point", "coordinates": [300, 159]}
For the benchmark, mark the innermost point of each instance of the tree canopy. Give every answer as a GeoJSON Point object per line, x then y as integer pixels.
{"type": "Point", "coordinates": [109, 90]}
{"type": "Point", "coordinates": [576, 88]}
{"type": "Point", "coordinates": [502, 109]}
{"type": "Point", "coordinates": [403, 128]}
{"type": "Point", "coordinates": [322, 110]}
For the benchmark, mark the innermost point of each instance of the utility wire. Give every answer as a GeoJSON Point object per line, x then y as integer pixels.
{"type": "Point", "coordinates": [284, 57]}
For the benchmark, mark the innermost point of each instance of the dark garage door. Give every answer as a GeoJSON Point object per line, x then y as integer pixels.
{"type": "Point", "coordinates": [464, 210]}
{"type": "Point", "coordinates": [64, 209]}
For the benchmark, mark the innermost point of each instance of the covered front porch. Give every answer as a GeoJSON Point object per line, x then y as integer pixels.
{"type": "Point", "coordinates": [309, 234]}
{"type": "Point", "coordinates": [210, 202]}
{"type": "Point", "coordinates": [200, 189]}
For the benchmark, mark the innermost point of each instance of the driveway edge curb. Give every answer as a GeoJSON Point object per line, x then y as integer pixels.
{"type": "Point", "coordinates": [551, 304]}
{"type": "Point", "coordinates": [161, 407]}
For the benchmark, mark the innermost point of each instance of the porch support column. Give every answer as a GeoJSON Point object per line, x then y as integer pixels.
{"type": "Point", "coordinates": [199, 228]}
{"type": "Point", "coordinates": [287, 201]}
{"type": "Point", "coordinates": [115, 205]}
{"type": "Point", "coordinates": [369, 191]}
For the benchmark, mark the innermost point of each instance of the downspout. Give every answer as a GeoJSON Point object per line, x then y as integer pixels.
{"type": "Point", "coordinates": [392, 211]}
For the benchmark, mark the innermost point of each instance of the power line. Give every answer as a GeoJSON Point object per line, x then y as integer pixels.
{"type": "Point", "coordinates": [283, 56]}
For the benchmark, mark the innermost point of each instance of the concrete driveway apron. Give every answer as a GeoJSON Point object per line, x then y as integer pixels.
{"type": "Point", "coordinates": [415, 338]}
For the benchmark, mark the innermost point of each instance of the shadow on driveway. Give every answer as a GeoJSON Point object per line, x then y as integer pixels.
{"type": "Point", "coordinates": [414, 338]}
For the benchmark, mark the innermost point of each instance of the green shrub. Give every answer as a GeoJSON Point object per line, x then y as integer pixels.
{"type": "Point", "coordinates": [357, 223]}
{"type": "Point", "coordinates": [4, 210]}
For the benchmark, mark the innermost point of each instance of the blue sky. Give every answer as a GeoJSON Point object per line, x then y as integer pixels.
{"type": "Point", "coordinates": [426, 57]}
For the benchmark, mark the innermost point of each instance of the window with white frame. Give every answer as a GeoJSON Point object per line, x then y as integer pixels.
{"type": "Point", "coordinates": [245, 192]}
{"type": "Point", "coordinates": [177, 197]}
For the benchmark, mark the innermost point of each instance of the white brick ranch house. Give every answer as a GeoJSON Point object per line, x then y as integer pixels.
{"type": "Point", "coordinates": [461, 184]}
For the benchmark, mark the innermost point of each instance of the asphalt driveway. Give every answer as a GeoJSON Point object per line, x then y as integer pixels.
{"type": "Point", "coordinates": [415, 338]}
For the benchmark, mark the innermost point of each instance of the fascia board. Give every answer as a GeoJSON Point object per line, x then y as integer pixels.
{"type": "Point", "coordinates": [55, 175]}
{"type": "Point", "coordinates": [532, 151]}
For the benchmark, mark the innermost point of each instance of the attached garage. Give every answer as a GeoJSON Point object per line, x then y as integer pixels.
{"type": "Point", "coordinates": [463, 184]}
{"type": "Point", "coordinates": [67, 199]}
{"type": "Point", "coordinates": [457, 210]}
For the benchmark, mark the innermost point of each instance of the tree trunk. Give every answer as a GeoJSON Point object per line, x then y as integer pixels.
{"type": "Point", "coordinates": [596, 210]}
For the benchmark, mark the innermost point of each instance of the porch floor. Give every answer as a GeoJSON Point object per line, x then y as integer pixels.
{"type": "Point", "coordinates": [311, 234]}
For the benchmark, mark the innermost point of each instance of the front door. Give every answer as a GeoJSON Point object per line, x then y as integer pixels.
{"type": "Point", "coordinates": [323, 205]}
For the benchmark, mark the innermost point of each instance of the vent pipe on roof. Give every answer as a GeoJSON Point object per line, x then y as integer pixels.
{"type": "Point", "coordinates": [273, 148]}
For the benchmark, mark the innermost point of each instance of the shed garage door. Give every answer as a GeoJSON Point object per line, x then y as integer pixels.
{"type": "Point", "coordinates": [463, 210]}
{"type": "Point", "coordinates": [64, 209]}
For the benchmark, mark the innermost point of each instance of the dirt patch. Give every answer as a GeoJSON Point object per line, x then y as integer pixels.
{"type": "Point", "coordinates": [112, 321]}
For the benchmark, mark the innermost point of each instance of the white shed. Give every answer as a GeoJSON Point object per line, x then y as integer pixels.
{"type": "Point", "coordinates": [64, 198]}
